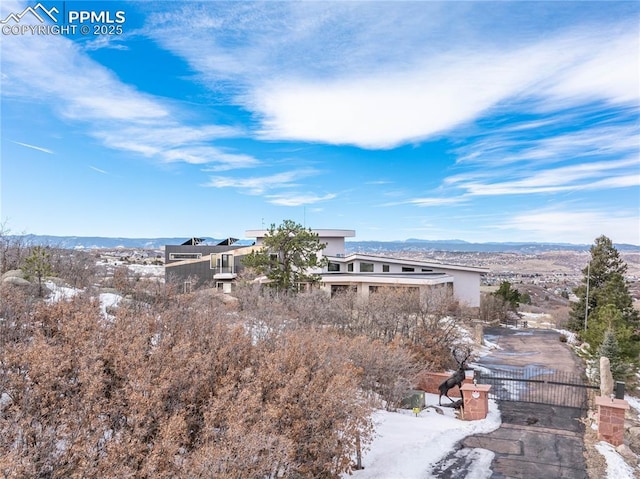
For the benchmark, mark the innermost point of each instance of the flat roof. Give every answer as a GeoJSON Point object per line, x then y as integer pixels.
{"type": "Point", "coordinates": [328, 233]}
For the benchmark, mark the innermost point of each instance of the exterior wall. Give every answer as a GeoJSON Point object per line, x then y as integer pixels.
{"type": "Point", "coordinates": [466, 283]}
{"type": "Point", "coordinates": [199, 272]}
{"type": "Point", "coordinates": [335, 246]}
{"type": "Point", "coordinates": [466, 286]}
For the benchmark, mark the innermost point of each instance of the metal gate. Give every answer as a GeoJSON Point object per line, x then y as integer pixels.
{"type": "Point", "coordinates": [537, 385]}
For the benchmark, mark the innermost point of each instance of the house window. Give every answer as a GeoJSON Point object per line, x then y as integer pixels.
{"type": "Point", "coordinates": [425, 270]}
{"type": "Point", "coordinates": [385, 268]}
{"type": "Point", "coordinates": [180, 256]}
{"type": "Point", "coordinates": [366, 267]}
{"type": "Point", "coordinates": [333, 267]}
{"type": "Point", "coordinates": [186, 287]}
{"type": "Point", "coordinates": [406, 269]}
{"type": "Point", "coordinates": [226, 263]}
{"type": "Point", "coordinates": [350, 267]}
{"type": "Point", "coordinates": [222, 263]}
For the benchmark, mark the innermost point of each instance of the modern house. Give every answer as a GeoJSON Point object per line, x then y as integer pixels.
{"type": "Point", "coordinates": [366, 273]}
{"type": "Point", "coordinates": [195, 264]}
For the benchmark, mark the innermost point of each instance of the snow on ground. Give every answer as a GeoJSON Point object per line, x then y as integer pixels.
{"type": "Point", "coordinates": [407, 447]}
{"type": "Point", "coordinates": [537, 320]}
{"type": "Point", "coordinates": [572, 338]}
{"type": "Point", "coordinates": [60, 293]}
{"type": "Point", "coordinates": [147, 270]}
{"type": "Point", "coordinates": [64, 293]}
{"type": "Point", "coordinates": [108, 300]}
{"type": "Point", "coordinates": [617, 468]}
{"type": "Point", "coordinates": [634, 402]}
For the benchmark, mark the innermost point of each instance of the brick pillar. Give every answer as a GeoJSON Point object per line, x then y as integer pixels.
{"type": "Point", "coordinates": [611, 419]}
{"type": "Point", "coordinates": [476, 401]}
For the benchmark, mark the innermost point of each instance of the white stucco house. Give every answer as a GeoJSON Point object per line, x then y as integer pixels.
{"type": "Point", "coordinates": [365, 273]}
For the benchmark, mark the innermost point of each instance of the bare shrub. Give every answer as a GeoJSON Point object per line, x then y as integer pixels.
{"type": "Point", "coordinates": [176, 389]}
{"type": "Point", "coordinates": [76, 268]}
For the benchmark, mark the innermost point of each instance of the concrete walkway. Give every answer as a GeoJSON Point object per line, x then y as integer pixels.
{"type": "Point", "coordinates": [535, 441]}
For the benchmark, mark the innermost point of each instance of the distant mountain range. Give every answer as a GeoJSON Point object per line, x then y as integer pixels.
{"type": "Point", "coordinates": [464, 246]}
{"type": "Point", "coordinates": [412, 244]}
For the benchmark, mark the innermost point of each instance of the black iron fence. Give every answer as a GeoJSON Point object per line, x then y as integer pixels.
{"type": "Point", "coordinates": [537, 385]}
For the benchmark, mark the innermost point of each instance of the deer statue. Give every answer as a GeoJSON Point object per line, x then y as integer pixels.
{"type": "Point", "coordinates": [456, 378]}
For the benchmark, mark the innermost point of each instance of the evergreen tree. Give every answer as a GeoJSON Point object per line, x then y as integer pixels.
{"type": "Point", "coordinates": [38, 265]}
{"type": "Point", "coordinates": [289, 256]}
{"type": "Point", "coordinates": [610, 348]}
{"type": "Point", "coordinates": [610, 305]}
{"type": "Point", "coordinates": [509, 295]}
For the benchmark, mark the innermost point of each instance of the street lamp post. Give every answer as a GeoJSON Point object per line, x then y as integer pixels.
{"type": "Point", "coordinates": [586, 301]}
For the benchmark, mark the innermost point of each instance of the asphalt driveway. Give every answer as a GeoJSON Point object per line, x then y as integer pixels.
{"type": "Point", "coordinates": [534, 440]}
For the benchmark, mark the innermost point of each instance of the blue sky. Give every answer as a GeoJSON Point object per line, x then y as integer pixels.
{"type": "Point", "coordinates": [480, 121]}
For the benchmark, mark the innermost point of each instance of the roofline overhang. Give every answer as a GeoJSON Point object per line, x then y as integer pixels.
{"type": "Point", "coordinates": [413, 262]}
{"type": "Point", "coordinates": [384, 279]}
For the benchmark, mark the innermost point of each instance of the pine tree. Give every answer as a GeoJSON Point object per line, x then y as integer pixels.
{"type": "Point", "coordinates": [289, 256]}
{"type": "Point", "coordinates": [38, 265]}
{"type": "Point", "coordinates": [610, 348]}
{"type": "Point", "coordinates": [508, 294]}
{"type": "Point", "coordinates": [610, 305]}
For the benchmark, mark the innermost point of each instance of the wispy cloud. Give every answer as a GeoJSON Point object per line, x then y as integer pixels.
{"type": "Point", "coordinates": [34, 147]}
{"type": "Point", "coordinates": [82, 90]}
{"type": "Point", "coordinates": [571, 224]}
{"type": "Point", "coordinates": [500, 146]}
{"type": "Point", "coordinates": [584, 176]}
{"type": "Point", "coordinates": [296, 199]}
{"type": "Point", "coordinates": [257, 185]}
{"type": "Point", "coordinates": [98, 170]}
{"type": "Point", "coordinates": [425, 202]}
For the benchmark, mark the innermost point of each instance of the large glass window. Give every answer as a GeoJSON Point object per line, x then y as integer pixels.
{"type": "Point", "coordinates": [222, 263]}
{"type": "Point", "coordinates": [366, 267]}
{"type": "Point", "coordinates": [333, 267]}
{"type": "Point", "coordinates": [406, 269]}
{"type": "Point", "coordinates": [385, 268]}
{"type": "Point", "coordinates": [350, 267]}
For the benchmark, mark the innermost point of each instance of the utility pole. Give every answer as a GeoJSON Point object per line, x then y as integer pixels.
{"type": "Point", "coordinates": [586, 301]}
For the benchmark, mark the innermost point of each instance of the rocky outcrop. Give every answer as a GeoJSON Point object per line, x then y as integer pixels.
{"type": "Point", "coordinates": [14, 277]}
{"type": "Point", "coordinates": [606, 378]}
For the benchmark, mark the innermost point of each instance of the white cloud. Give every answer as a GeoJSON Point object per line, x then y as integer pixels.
{"type": "Point", "coordinates": [34, 147]}
{"type": "Point", "coordinates": [98, 170]}
{"type": "Point", "coordinates": [56, 71]}
{"type": "Point", "coordinates": [386, 108]}
{"type": "Point", "coordinates": [501, 146]}
{"type": "Point", "coordinates": [379, 75]}
{"type": "Point", "coordinates": [435, 201]}
{"type": "Point", "coordinates": [257, 185]}
{"type": "Point", "coordinates": [298, 199]}
{"type": "Point", "coordinates": [583, 176]}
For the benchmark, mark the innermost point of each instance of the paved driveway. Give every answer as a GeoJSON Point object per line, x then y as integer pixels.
{"type": "Point", "coordinates": [535, 441]}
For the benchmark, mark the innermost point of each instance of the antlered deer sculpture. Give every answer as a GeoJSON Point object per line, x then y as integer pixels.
{"type": "Point", "coordinates": [456, 378]}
